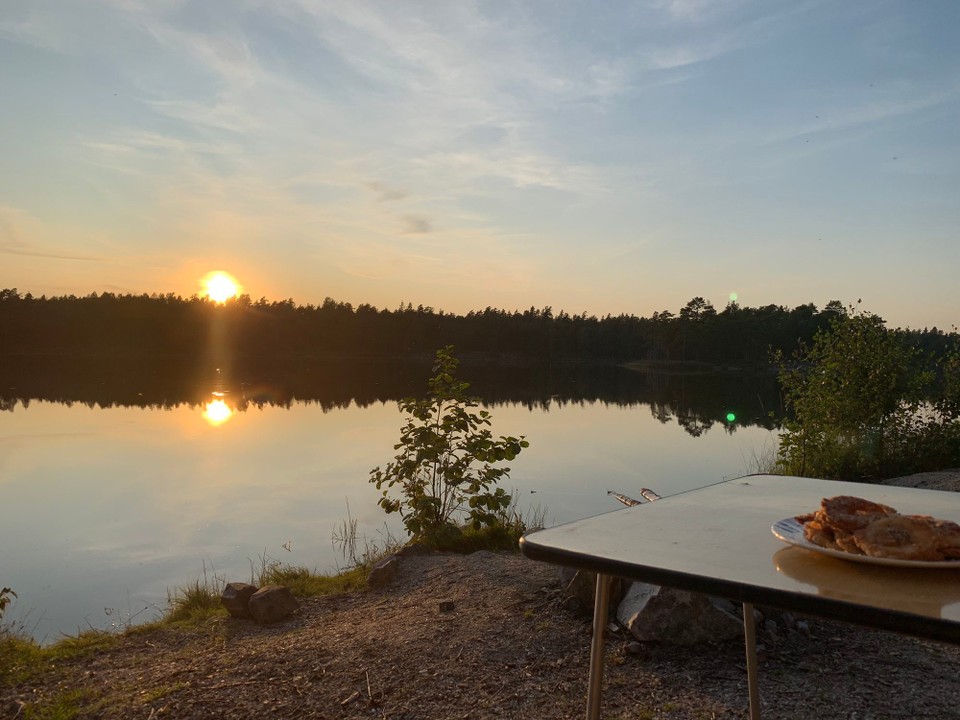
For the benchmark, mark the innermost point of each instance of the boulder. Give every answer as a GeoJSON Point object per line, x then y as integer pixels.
{"type": "Point", "coordinates": [272, 603]}
{"type": "Point", "coordinates": [580, 588]}
{"type": "Point", "coordinates": [384, 572]}
{"type": "Point", "coordinates": [413, 549]}
{"type": "Point", "coordinates": [236, 598]}
{"type": "Point", "coordinates": [660, 614]}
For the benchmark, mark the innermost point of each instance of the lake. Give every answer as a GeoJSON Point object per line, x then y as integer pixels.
{"type": "Point", "coordinates": [118, 486]}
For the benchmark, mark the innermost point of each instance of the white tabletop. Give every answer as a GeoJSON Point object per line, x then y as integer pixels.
{"type": "Point", "coordinates": [718, 540]}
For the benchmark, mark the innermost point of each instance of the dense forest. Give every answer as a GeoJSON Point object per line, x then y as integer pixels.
{"type": "Point", "coordinates": [736, 337]}
{"type": "Point", "coordinates": [161, 351]}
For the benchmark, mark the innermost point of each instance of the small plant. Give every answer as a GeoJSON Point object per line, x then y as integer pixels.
{"type": "Point", "coordinates": [358, 550]}
{"type": "Point", "coordinates": [5, 598]}
{"type": "Point", "coordinates": [447, 468]}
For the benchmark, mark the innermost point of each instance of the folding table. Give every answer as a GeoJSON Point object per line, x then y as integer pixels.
{"type": "Point", "coordinates": [718, 540]}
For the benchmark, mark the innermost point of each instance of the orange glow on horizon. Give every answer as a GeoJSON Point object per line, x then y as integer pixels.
{"type": "Point", "coordinates": [220, 286]}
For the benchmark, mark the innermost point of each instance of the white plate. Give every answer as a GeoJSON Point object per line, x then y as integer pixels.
{"type": "Point", "coordinates": [791, 532]}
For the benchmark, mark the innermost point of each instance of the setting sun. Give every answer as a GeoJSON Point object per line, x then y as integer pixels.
{"type": "Point", "coordinates": [220, 286]}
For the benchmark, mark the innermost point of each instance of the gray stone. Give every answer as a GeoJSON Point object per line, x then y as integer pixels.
{"type": "Point", "coordinates": [771, 628]}
{"type": "Point", "coordinates": [728, 606]}
{"type": "Point", "coordinates": [236, 598]}
{"type": "Point", "coordinates": [573, 604]}
{"type": "Point", "coordinates": [566, 573]}
{"type": "Point", "coordinates": [582, 586]}
{"type": "Point", "coordinates": [413, 549]}
{"type": "Point", "coordinates": [384, 572]}
{"type": "Point", "coordinates": [580, 590]}
{"type": "Point", "coordinates": [660, 614]}
{"type": "Point", "coordinates": [272, 603]}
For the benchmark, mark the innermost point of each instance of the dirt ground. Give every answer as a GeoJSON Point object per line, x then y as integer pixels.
{"type": "Point", "coordinates": [506, 649]}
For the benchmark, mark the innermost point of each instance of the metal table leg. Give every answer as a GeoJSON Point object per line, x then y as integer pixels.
{"type": "Point", "coordinates": [595, 684]}
{"type": "Point", "coordinates": [750, 635]}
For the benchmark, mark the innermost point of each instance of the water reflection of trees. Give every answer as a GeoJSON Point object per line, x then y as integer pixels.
{"type": "Point", "coordinates": [696, 402]}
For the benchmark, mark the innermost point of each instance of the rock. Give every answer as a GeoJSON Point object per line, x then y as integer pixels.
{"type": "Point", "coordinates": [676, 617]}
{"type": "Point", "coordinates": [447, 537]}
{"type": "Point", "coordinates": [413, 549]}
{"type": "Point", "coordinates": [573, 604]}
{"type": "Point", "coordinates": [446, 606]}
{"type": "Point", "coordinates": [580, 589]}
{"type": "Point", "coordinates": [728, 606]}
{"type": "Point", "coordinates": [272, 603]}
{"type": "Point", "coordinates": [236, 598]}
{"type": "Point", "coordinates": [384, 572]}
{"type": "Point", "coordinates": [772, 629]}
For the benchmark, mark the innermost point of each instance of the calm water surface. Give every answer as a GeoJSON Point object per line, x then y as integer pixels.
{"type": "Point", "coordinates": [104, 510]}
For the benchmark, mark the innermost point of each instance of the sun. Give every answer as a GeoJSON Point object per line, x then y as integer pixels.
{"type": "Point", "coordinates": [220, 286]}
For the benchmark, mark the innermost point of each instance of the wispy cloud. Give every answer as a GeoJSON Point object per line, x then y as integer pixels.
{"type": "Point", "coordinates": [29, 26]}
{"type": "Point", "coordinates": [8, 250]}
{"type": "Point", "coordinates": [865, 108]}
{"type": "Point", "coordinates": [26, 236]}
{"type": "Point", "coordinates": [416, 225]}
{"type": "Point", "coordinates": [385, 193]}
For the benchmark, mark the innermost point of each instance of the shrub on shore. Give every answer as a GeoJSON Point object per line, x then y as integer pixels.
{"type": "Point", "coordinates": [868, 405]}
{"type": "Point", "coordinates": [448, 464]}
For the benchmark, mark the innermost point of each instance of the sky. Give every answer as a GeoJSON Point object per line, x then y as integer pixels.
{"type": "Point", "coordinates": [615, 157]}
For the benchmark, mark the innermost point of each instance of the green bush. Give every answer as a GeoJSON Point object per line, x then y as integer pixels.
{"type": "Point", "coordinates": [5, 599]}
{"type": "Point", "coordinates": [867, 405]}
{"type": "Point", "coordinates": [448, 464]}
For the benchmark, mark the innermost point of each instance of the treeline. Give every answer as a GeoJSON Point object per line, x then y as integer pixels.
{"type": "Point", "coordinates": [697, 402]}
{"type": "Point", "coordinates": [140, 325]}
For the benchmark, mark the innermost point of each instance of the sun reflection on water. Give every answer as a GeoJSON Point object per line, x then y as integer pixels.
{"type": "Point", "coordinates": [216, 411]}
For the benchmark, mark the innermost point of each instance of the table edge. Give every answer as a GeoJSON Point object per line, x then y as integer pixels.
{"type": "Point", "coordinates": [827, 608]}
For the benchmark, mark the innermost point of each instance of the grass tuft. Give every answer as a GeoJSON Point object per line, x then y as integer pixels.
{"type": "Point", "coordinates": [502, 535]}
{"type": "Point", "coordinates": [197, 601]}
{"type": "Point", "coordinates": [64, 706]}
{"type": "Point", "coordinates": [306, 583]}
{"type": "Point", "coordinates": [22, 657]}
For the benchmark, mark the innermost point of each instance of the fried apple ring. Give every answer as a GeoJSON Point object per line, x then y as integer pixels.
{"type": "Point", "coordinates": [847, 543]}
{"type": "Point", "coordinates": [901, 537]}
{"type": "Point", "coordinates": [846, 513]}
{"type": "Point", "coordinates": [819, 534]}
{"type": "Point", "coordinates": [948, 538]}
